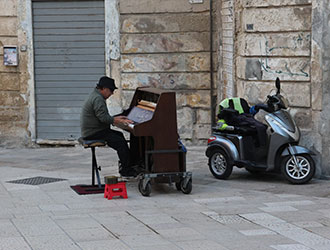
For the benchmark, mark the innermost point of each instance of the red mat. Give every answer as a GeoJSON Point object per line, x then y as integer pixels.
{"type": "Point", "coordinates": [88, 189]}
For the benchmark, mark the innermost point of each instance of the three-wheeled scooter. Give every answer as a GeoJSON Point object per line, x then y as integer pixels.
{"type": "Point", "coordinates": [282, 152]}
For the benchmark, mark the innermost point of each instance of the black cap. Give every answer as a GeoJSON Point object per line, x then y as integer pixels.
{"type": "Point", "coordinates": [107, 82]}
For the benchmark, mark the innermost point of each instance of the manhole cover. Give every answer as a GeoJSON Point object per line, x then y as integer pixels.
{"type": "Point", "coordinates": [36, 180]}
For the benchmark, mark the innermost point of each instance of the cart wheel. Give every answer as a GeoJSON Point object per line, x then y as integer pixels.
{"type": "Point", "coordinates": [186, 189]}
{"type": "Point", "coordinates": [145, 191]}
{"type": "Point", "coordinates": [178, 185]}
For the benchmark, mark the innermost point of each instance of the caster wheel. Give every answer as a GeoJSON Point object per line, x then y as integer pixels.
{"type": "Point", "coordinates": [178, 185]}
{"type": "Point", "coordinates": [145, 191]}
{"type": "Point", "coordinates": [186, 189]}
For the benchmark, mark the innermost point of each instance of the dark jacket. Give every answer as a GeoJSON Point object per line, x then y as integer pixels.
{"type": "Point", "coordinates": [94, 115]}
{"type": "Point", "coordinates": [236, 113]}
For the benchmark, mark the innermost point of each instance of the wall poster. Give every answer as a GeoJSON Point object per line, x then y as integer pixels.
{"type": "Point", "coordinates": [10, 57]}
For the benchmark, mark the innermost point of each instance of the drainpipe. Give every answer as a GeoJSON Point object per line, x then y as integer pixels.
{"type": "Point", "coordinates": [212, 97]}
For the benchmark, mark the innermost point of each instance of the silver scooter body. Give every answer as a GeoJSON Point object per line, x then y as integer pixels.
{"type": "Point", "coordinates": [283, 136]}
{"type": "Point", "coordinates": [282, 131]}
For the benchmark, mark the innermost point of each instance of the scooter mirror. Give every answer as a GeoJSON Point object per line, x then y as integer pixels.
{"type": "Point", "coordinates": [278, 85]}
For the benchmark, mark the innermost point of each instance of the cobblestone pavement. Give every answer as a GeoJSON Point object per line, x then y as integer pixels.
{"type": "Point", "coordinates": [245, 212]}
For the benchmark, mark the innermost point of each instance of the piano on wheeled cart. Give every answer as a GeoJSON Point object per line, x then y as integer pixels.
{"type": "Point", "coordinates": [154, 140]}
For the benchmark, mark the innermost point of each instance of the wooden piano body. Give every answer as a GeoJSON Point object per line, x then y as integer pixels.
{"type": "Point", "coordinates": [154, 137]}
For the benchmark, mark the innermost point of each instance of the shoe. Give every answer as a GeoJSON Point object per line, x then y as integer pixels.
{"type": "Point", "coordinates": [128, 172]}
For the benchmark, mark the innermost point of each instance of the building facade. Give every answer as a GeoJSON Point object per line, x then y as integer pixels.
{"type": "Point", "coordinates": [63, 47]}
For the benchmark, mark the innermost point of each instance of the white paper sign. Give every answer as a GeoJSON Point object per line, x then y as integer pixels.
{"type": "Point", "coordinates": [10, 57]}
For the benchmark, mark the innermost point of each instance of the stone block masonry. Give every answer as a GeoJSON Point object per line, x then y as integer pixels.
{"type": "Point", "coordinates": [13, 104]}
{"type": "Point", "coordinates": [274, 40]}
{"type": "Point", "coordinates": [166, 44]}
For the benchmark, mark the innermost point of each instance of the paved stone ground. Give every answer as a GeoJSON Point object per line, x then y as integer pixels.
{"type": "Point", "coordinates": [245, 212]}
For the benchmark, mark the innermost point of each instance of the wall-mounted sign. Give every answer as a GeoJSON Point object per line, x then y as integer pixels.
{"type": "Point", "coordinates": [10, 57]}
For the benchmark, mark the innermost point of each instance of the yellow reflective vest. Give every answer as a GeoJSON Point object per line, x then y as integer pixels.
{"type": "Point", "coordinates": [236, 101]}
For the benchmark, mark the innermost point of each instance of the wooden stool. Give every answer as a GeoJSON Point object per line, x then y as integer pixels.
{"type": "Point", "coordinates": [95, 169]}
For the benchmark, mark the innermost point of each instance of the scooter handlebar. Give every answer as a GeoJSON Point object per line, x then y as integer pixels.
{"type": "Point", "coordinates": [273, 103]}
{"type": "Point", "coordinates": [263, 107]}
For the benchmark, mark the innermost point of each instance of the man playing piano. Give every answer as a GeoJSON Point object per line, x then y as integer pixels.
{"type": "Point", "coordinates": [95, 122]}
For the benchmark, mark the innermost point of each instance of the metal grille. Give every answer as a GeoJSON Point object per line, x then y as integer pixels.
{"type": "Point", "coordinates": [69, 58]}
{"type": "Point", "coordinates": [38, 180]}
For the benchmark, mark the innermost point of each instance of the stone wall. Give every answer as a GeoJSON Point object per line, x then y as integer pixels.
{"type": "Point", "coordinates": [166, 44]}
{"type": "Point", "coordinates": [274, 41]}
{"type": "Point", "coordinates": [321, 18]}
{"type": "Point", "coordinates": [13, 88]}
{"type": "Point", "coordinates": [226, 56]}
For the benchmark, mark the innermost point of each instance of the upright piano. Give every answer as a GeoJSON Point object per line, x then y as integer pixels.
{"type": "Point", "coordinates": [154, 139]}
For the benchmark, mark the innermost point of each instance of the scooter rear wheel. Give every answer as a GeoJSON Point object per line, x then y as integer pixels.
{"type": "Point", "coordinates": [299, 173]}
{"type": "Point", "coordinates": [219, 164]}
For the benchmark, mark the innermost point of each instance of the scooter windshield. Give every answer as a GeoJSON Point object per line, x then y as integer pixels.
{"type": "Point", "coordinates": [284, 102]}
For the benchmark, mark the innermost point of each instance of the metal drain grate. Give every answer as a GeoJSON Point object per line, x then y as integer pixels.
{"type": "Point", "coordinates": [38, 180]}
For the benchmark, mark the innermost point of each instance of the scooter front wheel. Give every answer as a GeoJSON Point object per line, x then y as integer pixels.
{"type": "Point", "coordinates": [300, 171]}
{"type": "Point", "coordinates": [219, 164]}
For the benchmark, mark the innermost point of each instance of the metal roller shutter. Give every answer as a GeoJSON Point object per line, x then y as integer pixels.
{"type": "Point", "coordinates": [69, 58]}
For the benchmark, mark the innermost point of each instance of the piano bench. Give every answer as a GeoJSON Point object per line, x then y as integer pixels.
{"type": "Point", "coordinates": [92, 144]}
